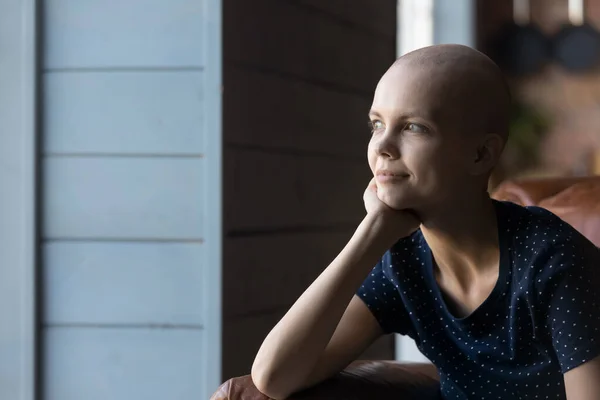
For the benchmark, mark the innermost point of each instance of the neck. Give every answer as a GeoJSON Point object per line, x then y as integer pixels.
{"type": "Point", "coordinates": [464, 243]}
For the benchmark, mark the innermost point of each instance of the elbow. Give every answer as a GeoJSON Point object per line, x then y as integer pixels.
{"type": "Point", "coordinates": [268, 384]}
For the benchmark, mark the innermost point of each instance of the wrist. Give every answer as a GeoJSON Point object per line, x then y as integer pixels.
{"type": "Point", "coordinates": [366, 246]}
{"type": "Point", "coordinates": [376, 231]}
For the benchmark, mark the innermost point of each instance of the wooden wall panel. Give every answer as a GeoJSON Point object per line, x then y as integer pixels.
{"type": "Point", "coordinates": [131, 198]}
{"type": "Point", "coordinates": [128, 33]}
{"type": "Point", "coordinates": [273, 191]}
{"type": "Point", "coordinates": [266, 272]}
{"type": "Point", "coordinates": [149, 284]}
{"type": "Point", "coordinates": [268, 111]}
{"type": "Point", "coordinates": [133, 113]}
{"type": "Point", "coordinates": [298, 82]}
{"type": "Point", "coordinates": [123, 198]}
{"type": "Point", "coordinates": [365, 16]}
{"type": "Point", "coordinates": [292, 40]}
{"type": "Point", "coordinates": [19, 135]}
{"type": "Point", "coordinates": [123, 364]}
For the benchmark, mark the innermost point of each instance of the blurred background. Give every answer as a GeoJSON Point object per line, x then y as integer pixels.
{"type": "Point", "coordinates": [173, 174]}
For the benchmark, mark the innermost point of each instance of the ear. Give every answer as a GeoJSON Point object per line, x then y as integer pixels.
{"type": "Point", "coordinates": [487, 154]}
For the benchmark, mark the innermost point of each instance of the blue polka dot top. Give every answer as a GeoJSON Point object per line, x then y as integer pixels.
{"type": "Point", "coordinates": [541, 320]}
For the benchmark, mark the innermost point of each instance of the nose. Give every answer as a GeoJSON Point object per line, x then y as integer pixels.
{"type": "Point", "coordinates": [386, 146]}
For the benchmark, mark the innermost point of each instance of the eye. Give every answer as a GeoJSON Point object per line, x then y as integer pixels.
{"type": "Point", "coordinates": [417, 128]}
{"type": "Point", "coordinates": [375, 125]}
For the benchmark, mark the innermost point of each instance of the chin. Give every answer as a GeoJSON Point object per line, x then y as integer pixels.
{"type": "Point", "coordinates": [396, 199]}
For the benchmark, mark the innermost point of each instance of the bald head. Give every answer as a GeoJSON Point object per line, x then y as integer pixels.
{"type": "Point", "coordinates": [440, 115]}
{"type": "Point", "coordinates": [464, 86]}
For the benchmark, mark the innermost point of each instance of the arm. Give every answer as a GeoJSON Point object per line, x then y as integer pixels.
{"type": "Point", "coordinates": [347, 342]}
{"type": "Point", "coordinates": [327, 327]}
{"type": "Point", "coordinates": [570, 302]}
{"type": "Point", "coordinates": [583, 382]}
{"type": "Point", "coordinates": [312, 341]}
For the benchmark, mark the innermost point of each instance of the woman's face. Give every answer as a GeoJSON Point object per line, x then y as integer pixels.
{"type": "Point", "coordinates": [421, 151]}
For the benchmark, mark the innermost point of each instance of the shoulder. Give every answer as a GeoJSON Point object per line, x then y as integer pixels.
{"type": "Point", "coordinates": [530, 219]}
{"type": "Point", "coordinates": [539, 229]}
{"type": "Point", "coordinates": [409, 249]}
{"type": "Point", "coordinates": [404, 255]}
{"type": "Point", "coordinates": [542, 241]}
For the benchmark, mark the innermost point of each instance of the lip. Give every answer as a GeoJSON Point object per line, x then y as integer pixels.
{"type": "Point", "coordinates": [384, 175]}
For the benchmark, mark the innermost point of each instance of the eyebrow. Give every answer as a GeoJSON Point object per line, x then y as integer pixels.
{"type": "Point", "coordinates": [403, 116]}
{"type": "Point", "coordinates": [373, 112]}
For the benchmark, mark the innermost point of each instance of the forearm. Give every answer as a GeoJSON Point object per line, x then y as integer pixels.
{"type": "Point", "coordinates": [293, 347]}
{"type": "Point", "coordinates": [583, 382]}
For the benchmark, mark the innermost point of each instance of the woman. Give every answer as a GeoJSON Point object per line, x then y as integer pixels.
{"type": "Point", "coordinates": [502, 299]}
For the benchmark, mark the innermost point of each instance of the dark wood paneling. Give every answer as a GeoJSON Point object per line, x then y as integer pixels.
{"type": "Point", "coordinates": [270, 111]}
{"type": "Point", "coordinates": [379, 17]}
{"type": "Point", "coordinates": [282, 37]}
{"type": "Point", "coordinates": [266, 191]}
{"type": "Point", "coordinates": [266, 272]}
{"type": "Point", "coordinates": [298, 80]}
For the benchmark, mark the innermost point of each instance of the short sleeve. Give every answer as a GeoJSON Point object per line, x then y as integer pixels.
{"type": "Point", "coordinates": [569, 286]}
{"type": "Point", "coordinates": [383, 299]}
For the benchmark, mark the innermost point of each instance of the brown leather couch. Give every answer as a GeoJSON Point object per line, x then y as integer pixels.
{"type": "Point", "coordinates": [576, 200]}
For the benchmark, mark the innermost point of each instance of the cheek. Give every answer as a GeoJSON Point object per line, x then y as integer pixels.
{"type": "Point", "coordinates": [434, 168]}
{"type": "Point", "coordinates": [420, 158]}
{"type": "Point", "coordinates": [442, 171]}
{"type": "Point", "coordinates": [372, 158]}
{"type": "Point", "coordinates": [438, 157]}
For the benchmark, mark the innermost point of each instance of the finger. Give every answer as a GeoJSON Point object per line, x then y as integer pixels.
{"type": "Point", "coordinates": [372, 184]}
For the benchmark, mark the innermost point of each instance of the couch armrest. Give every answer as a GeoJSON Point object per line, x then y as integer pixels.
{"type": "Point", "coordinates": [362, 380]}
{"type": "Point", "coordinates": [575, 200]}
{"type": "Point", "coordinates": [530, 192]}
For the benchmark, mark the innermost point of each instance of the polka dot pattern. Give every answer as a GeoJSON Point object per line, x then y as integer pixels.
{"type": "Point", "coordinates": [541, 320]}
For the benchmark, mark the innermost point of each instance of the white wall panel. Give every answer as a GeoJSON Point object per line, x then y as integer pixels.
{"type": "Point", "coordinates": [123, 283]}
{"type": "Point", "coordinates": [18, 236]}
{"type": "Point", "coordinates": [123, 364]}
{"type": "Point", "coordinates": [123, 33]}
{"type": "Point", "coordinates": [134, 112]}
{"type": "Point", "coordinates": [123, 198]}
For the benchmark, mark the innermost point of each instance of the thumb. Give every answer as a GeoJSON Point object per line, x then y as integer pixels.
{"type": "Point", "coordinates": [372, 185]}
